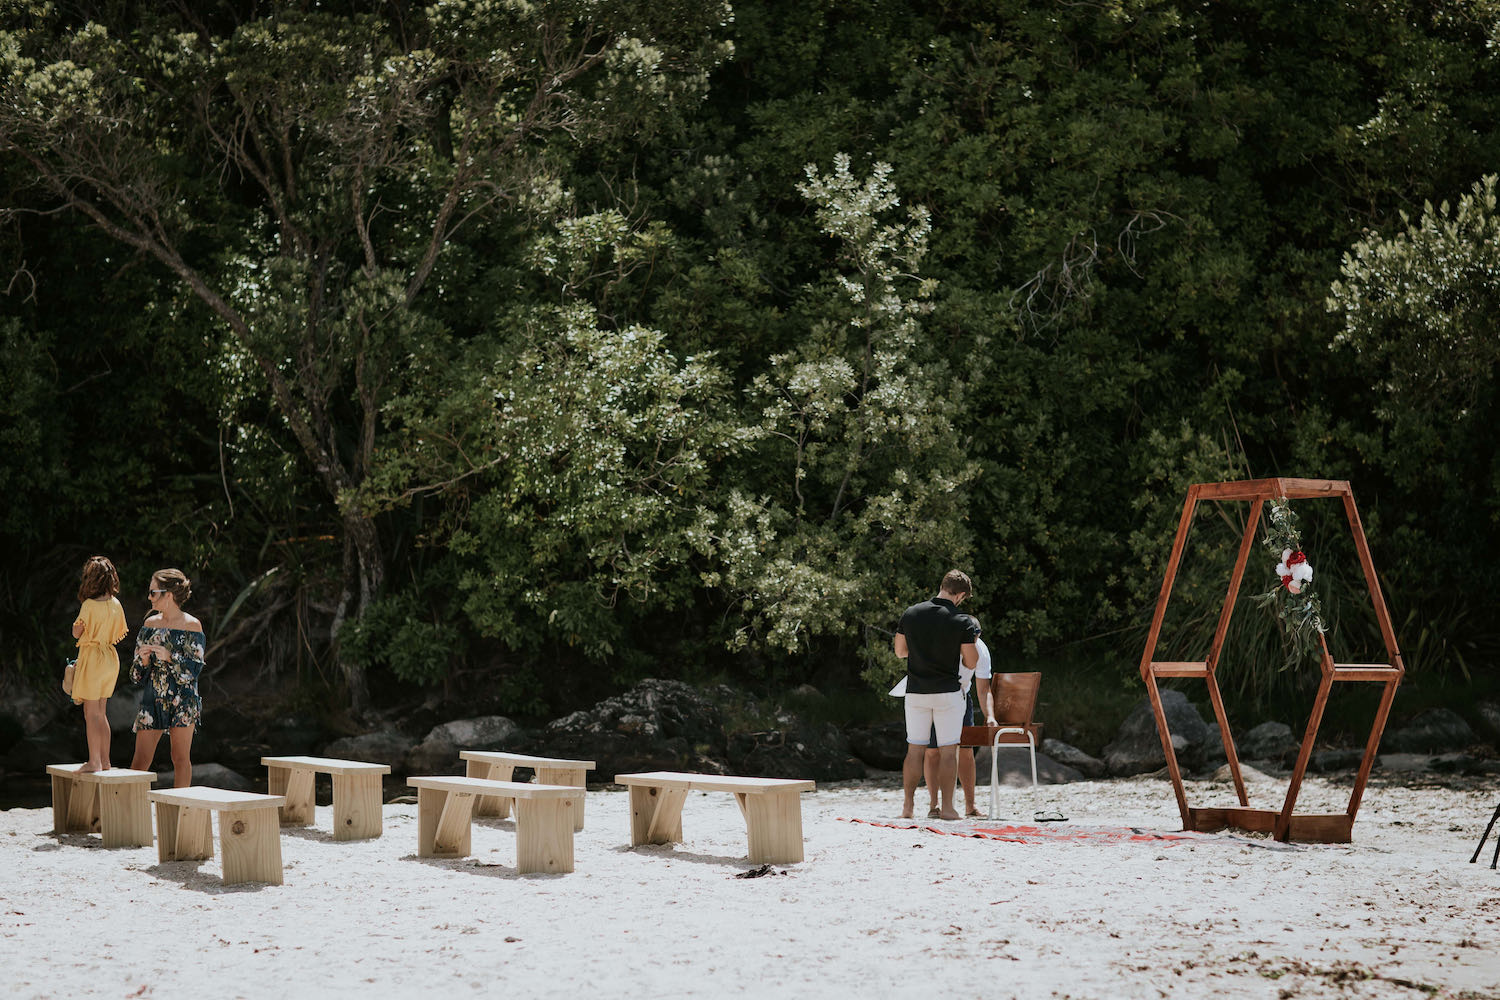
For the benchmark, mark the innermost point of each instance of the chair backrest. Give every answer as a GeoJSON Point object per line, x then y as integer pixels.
{"type": "Point", "coordinates": [1015, 697]}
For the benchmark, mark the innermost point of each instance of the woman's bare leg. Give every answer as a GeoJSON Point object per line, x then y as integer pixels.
{"type": "Point", "coordinates": [96, 728]}
{"type": "Point", "coordinates": [145, 749]}
{"type": "Point", "coordinates": [182, 762]}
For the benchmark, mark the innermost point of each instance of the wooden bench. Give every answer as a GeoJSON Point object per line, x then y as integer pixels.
{"type": "Point", "coordinates": [112, 802]}
{"type": "Point", "coordinates": [249, 834]}
{"type": "Point", "coordinates": [497, 766]}
{"type": "Point", "coordinates": [772, 808]}
{"type": "Point", "coordinates": [544, 819]}
{"type": "Point", "coordinates": [356, 792]}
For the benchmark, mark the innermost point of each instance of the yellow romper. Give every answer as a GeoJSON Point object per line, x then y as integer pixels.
{"type": "Point", "coordinates": [98, 665]}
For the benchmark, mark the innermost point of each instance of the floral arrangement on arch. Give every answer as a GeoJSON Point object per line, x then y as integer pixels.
{"type": "Point", "coordinates": [1297, 606]}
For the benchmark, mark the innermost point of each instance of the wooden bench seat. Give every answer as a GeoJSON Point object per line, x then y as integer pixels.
{"type": "Point", "coordinates": [249, 832]}
{"type": "Point", "coordinates": [772, 808]}
{"type": "Point", "coordinates": [112, 802]}
{"type": "Point", "coordinates": [544, 819]}
{"type": "Point", "coordinates": [356, 792]}
{"type": "Point", "coordinates": [497, 765]}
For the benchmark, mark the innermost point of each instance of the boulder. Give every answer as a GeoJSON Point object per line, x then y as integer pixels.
{"type": "Point", "coordinates": [1248, 774]}
{"type": "Point", "coordinates": [211, 775]}
{"type": "Point", "coordinates": [881, 745]}
{"type": "Point", "coordinates": [30, 711]}
{"type": "Point", "coordinates": [1268, 741]}
{"type": "Point", "coordinates": [1488, 716]}
{"type": "Point", "coordinates": [1437, 730]}
{"type": "Point", "coordinates": [58, 745]}
{"type": "Point", "coordinates": [295, 735]}
{"type": "Point", "coordinates": [1074, 758]}
{"type": "Point", "coordinates": [1137, 746]}
{"type": "Point", "coordinates": [122, 708]}
{"type": "Point", "coordinates": [657, 725]}
{"type": "Point", "coordinates": [1015, 768]}
{"type": "Point", "coordinates": [384, 746]}
{"type": "Point", "coordinates": [819, 752]}
{"type": "Point", "coordinates": [1323, 761]}
{"type": "Point", "coordinates": [438, 751]}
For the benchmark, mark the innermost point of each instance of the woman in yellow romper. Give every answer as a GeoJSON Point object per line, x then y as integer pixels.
{"type": "Point", "coordinates": [100, 624]}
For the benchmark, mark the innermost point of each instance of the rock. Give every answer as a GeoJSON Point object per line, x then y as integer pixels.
{"type": "Point", "coordinates": [1249, 774]}
{"type": "Point", "coordinates": [122, 708]}
{"type": "Point", "coordinates": [881, 745]}
{"type": "Point", "coordinates": [819, 752]}
{"type": "Point", "coordinates": [212, 775]}
{"type": "Point", "coordinates": [1015, 768]}
{"type": "Point", "coordinates": [1437, 730]}
{"type": "Point", "coordinates": [1404, 762]}
{"type": "Point", "coordinates": [29, 710]}
{"type": "Point", "coordinates": [657, 725]}
{"type": "Point", "coordinates": [1268, 741]}
{"type": "Point", "coordinates": [1323, 761]}
{"type": "Point", "coordinates": [438, 751]}
{"type": "Point", "coordinates": [384, 746]}
{"type": "Point", "coordinates": [1488, 714]}
{"type": "Point", "coordinates": [1072, 757]}
{"type": "Point", "coordinates": [1137, 746]}
{"type": "Point", "coordinates": [295, 735]}
{"type": "Point", "coordinates": [58, 745]}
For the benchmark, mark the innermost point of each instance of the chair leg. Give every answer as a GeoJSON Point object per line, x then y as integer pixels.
{"type": "Point", "coordinates": [1485, 837]}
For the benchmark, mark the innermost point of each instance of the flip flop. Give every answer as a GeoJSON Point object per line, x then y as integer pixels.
{"type": "Point", "coordinates": [934, 813]}
{"type": "Point", "coordinates": [1049, 816]}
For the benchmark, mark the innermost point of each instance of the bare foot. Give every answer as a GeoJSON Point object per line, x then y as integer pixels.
{"type": "Point", "coordinates": [972, 812]}
{"type": "Point", "coordinates": [90, 768]}
{"type": "Point", "coordinates": [950, 814]}
{"type": "Point", "coordinates": [906, 813]}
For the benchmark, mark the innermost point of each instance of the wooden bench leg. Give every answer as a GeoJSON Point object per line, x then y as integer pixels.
{"type": "Point", "coordinates": [565, 776]}
{"type": "Point", "coordinates": [491, 805]}
{"type": "Point", "coordinates": [251, 842]}
{"type": "Point", "coordinates": [443, 827]}
{"type": "Point", "coordinates": [656, 814]}
{"type": "Point", "coordinates": [356, 806]}
{"type": "Point", "coordinates": [83, 807]}
{"type": "Point", "coordinates": [182, 833]}
{"type": "Point", "coordinates": [296, 784]}
{"type": "Point", "coordinates": [544, 835]}
{"type": "Point", "coordinates": [62, 791]}
{"type": "Point", "coordinates": [125, 815]}
{"type": "Point", "coordinates": [774, 823]}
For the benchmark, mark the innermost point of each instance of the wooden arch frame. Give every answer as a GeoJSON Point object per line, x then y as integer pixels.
{"type": "Point", "coordinates": [1284, 823]}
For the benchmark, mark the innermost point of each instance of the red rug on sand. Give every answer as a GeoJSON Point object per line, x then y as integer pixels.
{"type": "Point", "coordinates": [1018, 834]}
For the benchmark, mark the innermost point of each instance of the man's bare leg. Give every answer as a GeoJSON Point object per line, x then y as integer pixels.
{"type": "Point", "coordinates": [911, 773]}
{"type": "Point", "coordinates": [947, 776]}
{"type": "Point", "coordinates": [966, 779]}
{"type": "Point", "coordinates": [930, 775]}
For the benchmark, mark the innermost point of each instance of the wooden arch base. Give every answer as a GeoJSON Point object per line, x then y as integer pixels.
{"type": "Point", "coordinates": [1285, 823]}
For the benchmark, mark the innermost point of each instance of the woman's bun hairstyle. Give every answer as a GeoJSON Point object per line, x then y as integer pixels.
{"type": "Point", "coordinates": [175, 582]}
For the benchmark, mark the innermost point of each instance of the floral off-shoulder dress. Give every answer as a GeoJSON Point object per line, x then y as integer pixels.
{"type": "Point", "coordinates": [170, 698]}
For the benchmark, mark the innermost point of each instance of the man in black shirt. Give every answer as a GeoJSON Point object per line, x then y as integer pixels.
{"type": "Point", "coordinates": [934, 638]}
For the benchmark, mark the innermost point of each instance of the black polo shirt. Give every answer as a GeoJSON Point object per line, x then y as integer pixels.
{"type": "Point", "coordinates": [934, 632]}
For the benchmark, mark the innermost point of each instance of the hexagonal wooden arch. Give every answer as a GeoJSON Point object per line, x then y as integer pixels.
{"type": "Point", "coordinates": [1285, 823]}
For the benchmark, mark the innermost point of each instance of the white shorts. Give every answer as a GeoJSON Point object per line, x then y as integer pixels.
{"type": "Point", "coordinates": [941, 712]}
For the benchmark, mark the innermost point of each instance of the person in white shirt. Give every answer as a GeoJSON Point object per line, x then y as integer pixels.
{"type": "Point", "coordinates": [979, 678]}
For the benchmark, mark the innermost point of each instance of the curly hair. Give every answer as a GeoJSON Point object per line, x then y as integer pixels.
{"type": "Point", "coordinates": [98, 579]}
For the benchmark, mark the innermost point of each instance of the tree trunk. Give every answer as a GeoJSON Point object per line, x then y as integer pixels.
{"type": "Point", "coordinates": [363, 572]}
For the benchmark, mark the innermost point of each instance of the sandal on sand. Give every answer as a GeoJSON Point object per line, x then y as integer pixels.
{"type": "Point", "coordinates": [1049, 816]}
{"type": "Point", "coordinates": [933, 812]}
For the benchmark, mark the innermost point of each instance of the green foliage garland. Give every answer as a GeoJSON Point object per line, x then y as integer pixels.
{"type": "Point", "coordinates": [1300, 611]}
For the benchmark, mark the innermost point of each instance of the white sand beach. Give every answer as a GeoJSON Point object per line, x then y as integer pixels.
{"type": "Point", "coordinates": [871, 912]}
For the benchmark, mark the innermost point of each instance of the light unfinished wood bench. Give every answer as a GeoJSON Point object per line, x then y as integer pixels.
{"type": "Point", "coordinates": [772, 808]}
{"type": "Point", "coordinates": [113, 802]}
{"type": "Point", "coordinates": [249, 833]}
{"type": "Point", "coordinates": [499, 766]}
{"type": "Point", "coordinates": [544, 819]}
{"type": "Point", "coordinates": [356, 792]}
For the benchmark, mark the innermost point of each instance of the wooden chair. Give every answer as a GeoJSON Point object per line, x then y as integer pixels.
{"type": "Point", "coordinates": [1015, 702]}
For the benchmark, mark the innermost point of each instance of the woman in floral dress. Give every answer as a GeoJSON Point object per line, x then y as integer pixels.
{"type": "Point", "coordinates": [169, 661]}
